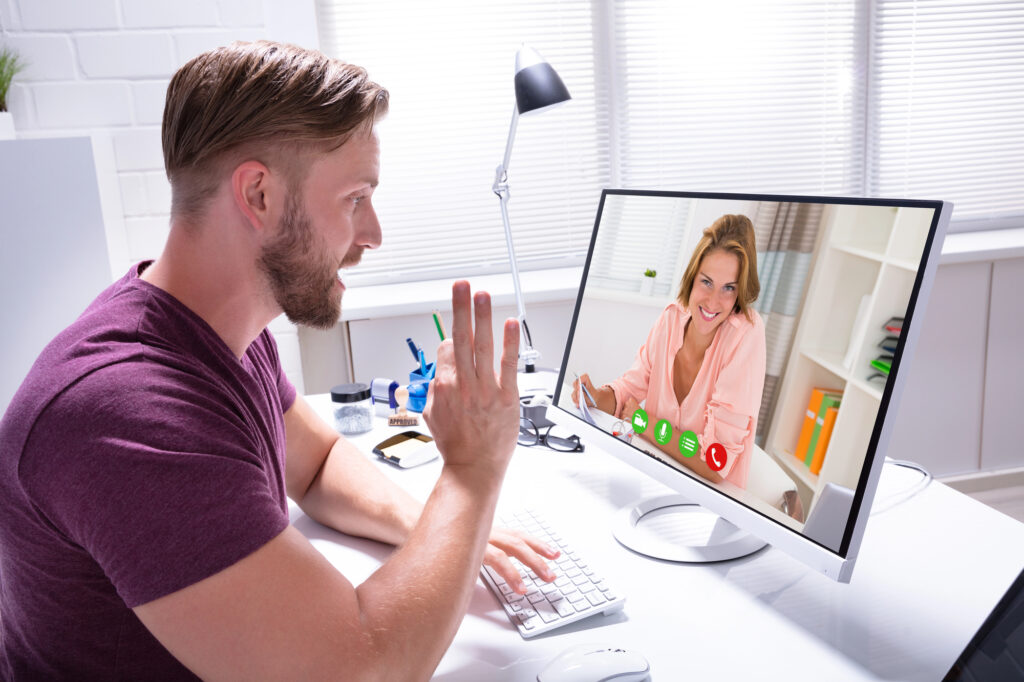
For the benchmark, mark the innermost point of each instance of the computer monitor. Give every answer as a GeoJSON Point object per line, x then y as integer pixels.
{"type": "Point", "coordinates": [795, 394]}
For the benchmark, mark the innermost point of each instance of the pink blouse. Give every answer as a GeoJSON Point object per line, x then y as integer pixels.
{"type": "Point", "coordinates": [723, 402]}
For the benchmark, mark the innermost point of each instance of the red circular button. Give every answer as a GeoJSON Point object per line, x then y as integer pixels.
{"type": "Point", "coordinates": [716, 457]}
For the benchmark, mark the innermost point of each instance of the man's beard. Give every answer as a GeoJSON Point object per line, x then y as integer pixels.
{"type": "Point", "coordinates": [301, 273]}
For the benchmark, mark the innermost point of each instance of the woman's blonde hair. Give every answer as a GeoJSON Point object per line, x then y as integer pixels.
{"type": "Point", "coordinates": [732, 234]}
{"type": "Point", "coordinates": [269, 101]}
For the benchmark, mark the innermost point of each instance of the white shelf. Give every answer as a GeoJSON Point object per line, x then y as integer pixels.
{"type": "Point", "coordinates": [797, 468]}
{"type": "Point", "coordinates": [869, 254]}
{"type": "Point", "coordinates": [862, 253]}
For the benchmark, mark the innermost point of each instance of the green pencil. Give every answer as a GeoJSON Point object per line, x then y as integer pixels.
{"type": "Point", "coordinates": [440, 325]}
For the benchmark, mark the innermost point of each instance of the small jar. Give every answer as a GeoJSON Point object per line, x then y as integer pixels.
{"type": "Point", "coordinates": [353, 411]}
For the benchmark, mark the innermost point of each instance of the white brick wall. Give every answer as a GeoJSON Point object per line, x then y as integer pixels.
{"type": "Point", "coordinates": [101, 68]}
{"type": "Point", "coordinates": [62, 15]}
{"type": "Point", "coordinates": [126, 54]}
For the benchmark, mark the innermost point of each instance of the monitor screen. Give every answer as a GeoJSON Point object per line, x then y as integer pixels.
{"type": "Point", "coordinates": [749, 350]}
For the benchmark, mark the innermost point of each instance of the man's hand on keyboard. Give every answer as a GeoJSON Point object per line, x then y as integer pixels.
{"type": "Point", "coordinates": [506, 543]}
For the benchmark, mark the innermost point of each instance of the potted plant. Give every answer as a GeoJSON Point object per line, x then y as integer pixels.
{"type": "Point", "coordinates": [647, 283]}
{"type": "Point", "coordinates": [10, 65]}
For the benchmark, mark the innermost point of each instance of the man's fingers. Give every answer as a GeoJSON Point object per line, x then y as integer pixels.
{"type": "Point", "coordinates": [445, 359]}
{"type": "Point", "coordinates": [542, 548]}
{"type": "Point", "coordinates": [462, 329]}
{"type": "Point", "coordinates": [528, 549]}
{"type": "Point", "coordinates": [510, 356]}
{"type": "Point", "coordinates": [499, 561]}
{"type": "Point", "coordinates": [444, 373]}
{"type": "Point", "coordinates": [483, 339]}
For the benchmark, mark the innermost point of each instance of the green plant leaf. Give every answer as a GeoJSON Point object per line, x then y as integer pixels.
{"type": "Point", "coordinates": [10, 64]}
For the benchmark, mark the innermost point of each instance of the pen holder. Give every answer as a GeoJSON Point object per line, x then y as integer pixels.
{"type": "Point", "coordinates": [419, 384]}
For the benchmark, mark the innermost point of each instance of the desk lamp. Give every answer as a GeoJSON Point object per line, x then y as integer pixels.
{"type": "Point", "coordinates": [538, 88]}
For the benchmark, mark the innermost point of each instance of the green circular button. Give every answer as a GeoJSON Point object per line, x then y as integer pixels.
{"type": "Point", "coordinates": [688, 444]}
{"type": "Point", "coordinates": [663, 432]}
{"type": "Point", "coordinates": [640, 421]}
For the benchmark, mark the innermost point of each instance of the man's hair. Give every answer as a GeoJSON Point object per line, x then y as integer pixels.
{"type": "Point", "coordinates": [733, 234]}
{"type": "Point", "coordinates": [267, 101]}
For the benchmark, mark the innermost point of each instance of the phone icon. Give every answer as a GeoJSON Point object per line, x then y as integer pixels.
{"type": "Point", "coordinates": [716, 457]}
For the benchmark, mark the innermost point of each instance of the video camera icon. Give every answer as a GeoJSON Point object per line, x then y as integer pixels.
{"type": "Point", "coordinates": [639, 421]}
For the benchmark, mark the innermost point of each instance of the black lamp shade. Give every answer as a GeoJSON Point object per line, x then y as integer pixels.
{"type": "Point", "coordinates": [538, 86]}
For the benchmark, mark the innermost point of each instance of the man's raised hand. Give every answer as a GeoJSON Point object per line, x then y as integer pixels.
{"type": "Point", "coordinates": [472, 411]}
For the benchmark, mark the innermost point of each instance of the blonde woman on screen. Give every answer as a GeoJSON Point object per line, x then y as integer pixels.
{"type": "Point", "coordinates": [702, 366]}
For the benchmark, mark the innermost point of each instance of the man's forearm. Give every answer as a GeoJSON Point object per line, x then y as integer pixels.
{"type": "Point", "coordinates": [426, 585]}
{"type": "Point", "coordinates": [349, 494]}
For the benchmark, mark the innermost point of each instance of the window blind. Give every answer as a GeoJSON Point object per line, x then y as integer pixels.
{"type": "Point", "coordinates": [742, 95]}
{"type": "Point", "coordinates": [449, 69]}
{"type": "Point", "coordinates": [653, 230]}
{"type": "Point", "coordinates": [892, 98]}
{"type": "Point", "coordinates": [947, 102]}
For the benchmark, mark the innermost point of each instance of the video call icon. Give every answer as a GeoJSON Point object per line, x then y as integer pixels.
{"type": "Point", "coordinates": [639, 421]}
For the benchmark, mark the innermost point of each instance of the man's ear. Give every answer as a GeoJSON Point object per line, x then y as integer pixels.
{"type": "Point", "coordinates": [257, 194]}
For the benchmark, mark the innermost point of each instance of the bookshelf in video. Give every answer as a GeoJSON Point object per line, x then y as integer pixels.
{"type": "Point", "coordinates": [857, 296]}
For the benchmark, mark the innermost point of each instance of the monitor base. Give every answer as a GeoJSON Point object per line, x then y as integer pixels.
{"type": "Point", "coordinates": [671, 527]}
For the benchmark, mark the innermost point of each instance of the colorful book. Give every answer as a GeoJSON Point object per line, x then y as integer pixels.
{"type": "Point", "coordinates": [888, 344]}
{"type": "Point", "coordinates": [813, 406]}
{"type": "Point", "coordinates": [883, 363]}
{"type": "Point", "coordinates": [823, 439]}
{"type": "Point", "coordinates": [827, 401]}
{"type": "Point", "coordinates": [894, 325]}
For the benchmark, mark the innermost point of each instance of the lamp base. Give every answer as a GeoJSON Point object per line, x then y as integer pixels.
{"type": "Point", "coordinates": [541, 380]}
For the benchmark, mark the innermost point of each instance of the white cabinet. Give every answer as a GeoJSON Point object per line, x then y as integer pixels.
{"type": "Point", "coordinates": [960, 412]}
{"type": "Point", "coordinates": [1001, 446]}
{"type": "Point", "coordinates": [53, 248]}
{"type": "Point", "coordinates": [939, 419]}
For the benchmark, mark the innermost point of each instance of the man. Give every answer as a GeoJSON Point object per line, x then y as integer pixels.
{"type": "Point", "coordinates": [145, 460]}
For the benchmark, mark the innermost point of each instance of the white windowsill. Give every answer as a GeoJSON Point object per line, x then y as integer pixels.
{"type": "Point", "coordinates": [414, 298]}
{"type": "Point", "coordinates": [968, 247]}
{"type": "Point", "coordinates": [539, 286]}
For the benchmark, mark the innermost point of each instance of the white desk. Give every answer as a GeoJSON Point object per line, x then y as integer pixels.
{"type": "Point", "coordinates": [928, 573]}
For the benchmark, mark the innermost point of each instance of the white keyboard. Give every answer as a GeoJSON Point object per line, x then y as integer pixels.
{"type": "Point", "coordinates": [577, 593]}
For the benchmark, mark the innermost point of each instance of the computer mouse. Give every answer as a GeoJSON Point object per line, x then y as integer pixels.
{"type": "Point", "coordinates": [595, 663]}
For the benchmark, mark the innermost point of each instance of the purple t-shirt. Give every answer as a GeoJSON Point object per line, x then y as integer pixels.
{"type": "Point", "coordinates": [138, 457]}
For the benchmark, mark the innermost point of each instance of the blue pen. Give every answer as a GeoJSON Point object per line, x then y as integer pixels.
{"type": "Point", "coordinates": [423, 365]}
{"type": "Point", "coordinates": [415, 351]}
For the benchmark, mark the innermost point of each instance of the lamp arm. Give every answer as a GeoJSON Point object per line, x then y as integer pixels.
{"type": "Point", "coordinates": [527, 352]}
{"type": "Point", "coordinates": [511, 136]}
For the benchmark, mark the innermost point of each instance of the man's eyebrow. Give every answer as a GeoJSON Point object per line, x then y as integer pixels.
{"type": "Point", "coordinates": [366, 182]}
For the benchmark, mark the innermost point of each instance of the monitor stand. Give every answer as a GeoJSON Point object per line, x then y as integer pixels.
{"type": "Point", "coordinates": [671, 527]}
